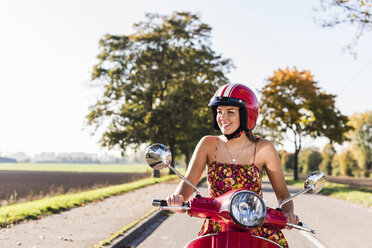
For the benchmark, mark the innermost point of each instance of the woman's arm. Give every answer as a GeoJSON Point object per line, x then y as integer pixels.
{"type": "Point", "coordinates": [275, 172]}
{"type": "Point", "coordinates": [194, 171]}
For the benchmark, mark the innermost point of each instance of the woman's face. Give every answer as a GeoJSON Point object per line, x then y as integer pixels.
{"type": "Point", "coordinates": [228, 119]}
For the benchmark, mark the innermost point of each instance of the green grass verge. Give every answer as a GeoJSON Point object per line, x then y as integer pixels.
{"type": "Point", "coordinates": [357, 195]}
{"type": "Point", "coordinates": [34, 209]}
{"type": "Point", "coordinates": [113, 168]}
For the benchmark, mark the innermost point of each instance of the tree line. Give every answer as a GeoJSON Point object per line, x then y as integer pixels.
{"type": "Point", "coordinates": [354, 160]}
{"type": "Point", "coordinates": [157, 82]}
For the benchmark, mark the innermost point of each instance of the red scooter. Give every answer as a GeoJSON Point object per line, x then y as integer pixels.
{"type": "Point", "coordinates": [238, 211]}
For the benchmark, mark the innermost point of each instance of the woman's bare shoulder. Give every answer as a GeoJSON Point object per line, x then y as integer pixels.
{"type": "Point", "coordinates": [206, 146]}
{"type": "Point", "coordinates": [266, 152]}
{"type": "Point", "coordinates": [265, 145]}
{"type": "Point", "coordinates": [208, 140]}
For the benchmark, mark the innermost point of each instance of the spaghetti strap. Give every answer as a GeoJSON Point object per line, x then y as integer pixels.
{"type": "Point", "coordinates": [254, 154]}
{"type": "Point", "coordinates": [215, 152]}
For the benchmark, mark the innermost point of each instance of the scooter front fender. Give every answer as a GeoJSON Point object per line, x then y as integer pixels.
{"type": "Point", "coordinates": [231, 240]}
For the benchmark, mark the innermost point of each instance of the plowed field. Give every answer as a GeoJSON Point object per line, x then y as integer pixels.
{"type": "Point", "coordinates": [27, 185]}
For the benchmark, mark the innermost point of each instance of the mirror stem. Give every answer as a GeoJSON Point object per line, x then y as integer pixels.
{"type": "Point", "coordinates": [181, 176]}
{"type": "Point", "coordinates": [293, 196]}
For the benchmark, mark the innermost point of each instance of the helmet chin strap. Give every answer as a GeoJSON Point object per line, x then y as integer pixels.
{"type": "Point", "coordinates": [236, 134]}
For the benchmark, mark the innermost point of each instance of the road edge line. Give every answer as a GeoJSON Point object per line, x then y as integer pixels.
{"type": "Point", "coordinates": [313, 240]}
{"type": "Point", "coordinates": [150, 222]}
{"type": "Point", "coordinates": [125, 230]}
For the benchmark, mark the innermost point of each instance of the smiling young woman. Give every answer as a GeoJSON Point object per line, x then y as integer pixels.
{"type": "Point", "coordinates": [236, 158]}
{"type": "Point", "coordinates": [228, 119]}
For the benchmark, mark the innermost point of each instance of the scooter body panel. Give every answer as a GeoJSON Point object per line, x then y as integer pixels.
{"type": "Point", "coordinates": [231, 240]}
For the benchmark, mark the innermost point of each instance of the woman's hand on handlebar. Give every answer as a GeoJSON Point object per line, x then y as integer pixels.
{"type": "Point", "coordinates": [291, 218]}
{"type": "Point", "coordinates": [175, 200]}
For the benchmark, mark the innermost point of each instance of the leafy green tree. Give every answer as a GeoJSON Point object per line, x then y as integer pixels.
{"type": "Point", "coordinates": [347, 12]}
{"type": "Point", "coordinates": [361, 140]}
{"type": "Point", "coordinates": [157, 83]}
{"type": "Point", "coordinates": [309, 160]}
{"type": "Point", "coordinates": [327, 154]}
{"type": "Point", "coordinates": [292, 101]}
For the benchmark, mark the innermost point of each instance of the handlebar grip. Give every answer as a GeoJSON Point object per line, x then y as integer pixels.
{"type": "Point", "coordinates": [159, 203]}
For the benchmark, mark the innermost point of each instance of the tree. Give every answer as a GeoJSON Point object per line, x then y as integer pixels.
{"type": "Point", "coordinates": [336, 165]}
{"type": "Point", "coordinates": [327, 154]}
{"type": "Point", "coordinates": [292, 101]}
{"type": "Point", "coordinates": [347, 166]}
{"type": "Point", "coordinates": [350, 12]}
{"type": "Point", "coordinates": [287, 160]}
{"type": "Point", "coordinates": [309, 160]}
{"type": "Point", "coordinates": [361, 140]}
{"type": "Point", "coordinates": [157, 83]}
{"type": "Point", "coordinates": [267, 133]}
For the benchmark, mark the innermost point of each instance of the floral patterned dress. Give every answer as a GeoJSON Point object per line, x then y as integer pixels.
{"type": "Point", "coordinates": [223, 177]}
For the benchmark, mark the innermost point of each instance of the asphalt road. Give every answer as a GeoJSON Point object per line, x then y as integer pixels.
{"type": "Point", "coordinates": [85, 226]}
{"type": "Point", "coordinates": [338, 224]}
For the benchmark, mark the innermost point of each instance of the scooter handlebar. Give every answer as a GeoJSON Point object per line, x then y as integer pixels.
{"type": "Point", "coordinates": [163, 205]}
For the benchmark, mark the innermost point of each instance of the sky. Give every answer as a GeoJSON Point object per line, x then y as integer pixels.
{"type": "Point", "coordinates": [48, 49]}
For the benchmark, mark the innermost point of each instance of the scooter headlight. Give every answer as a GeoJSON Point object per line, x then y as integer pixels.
{"type": "Point", "coordinates": [247, 209]}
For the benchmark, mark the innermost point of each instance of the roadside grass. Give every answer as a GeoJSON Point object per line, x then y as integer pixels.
{"type": "Point", "coordinates": [357, 195]}
{"type": "Point", "coordinates": [113, 168]}
{"type": "Point", "coordinates": [16, 213]}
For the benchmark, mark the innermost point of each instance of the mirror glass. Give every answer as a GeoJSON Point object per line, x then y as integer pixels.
{"type": "Point", "coordinates": [158, 156]}
{"type": "Point", "coordinates": [315, 181]}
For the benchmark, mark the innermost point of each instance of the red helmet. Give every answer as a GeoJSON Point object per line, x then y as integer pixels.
{"type": "Point", "coordinates": [240, 96]}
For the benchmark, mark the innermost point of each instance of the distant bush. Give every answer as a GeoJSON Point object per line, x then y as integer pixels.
{"type": "Point", "coordinates": [328, 153]}
{"type": "Point", "coordinates": [7, 160]}
{"type": "Point", "coordinates": [287, 160]}
{"type": "Point", "coordinates": [309, 160]}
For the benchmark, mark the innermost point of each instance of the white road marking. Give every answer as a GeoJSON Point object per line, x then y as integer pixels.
{"type": "Point", "coordinates": [312, 239]}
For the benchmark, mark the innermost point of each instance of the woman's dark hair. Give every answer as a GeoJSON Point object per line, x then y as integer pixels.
{"type": "Point", "coordinates": [252, 137]}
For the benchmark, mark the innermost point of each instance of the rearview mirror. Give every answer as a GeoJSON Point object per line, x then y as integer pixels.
{"type": "Point", "coordinates": [158, 156]}
{"type": "Point", "coordinates": [315, 182]}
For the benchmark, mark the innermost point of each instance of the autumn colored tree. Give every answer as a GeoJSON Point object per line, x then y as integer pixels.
{"type": "Point", "coordinates": [347, 12]}
{"type": "Point", "coordinates": [336, 165]}
{"type": "Point", "coordinates": [292, 102]}
{"type": "Point", "coordinates": [361, 140]}
{"type": "Point", "coordinates": [344, 164]}
{"type": "Point", "coordinates": [157, 83]}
